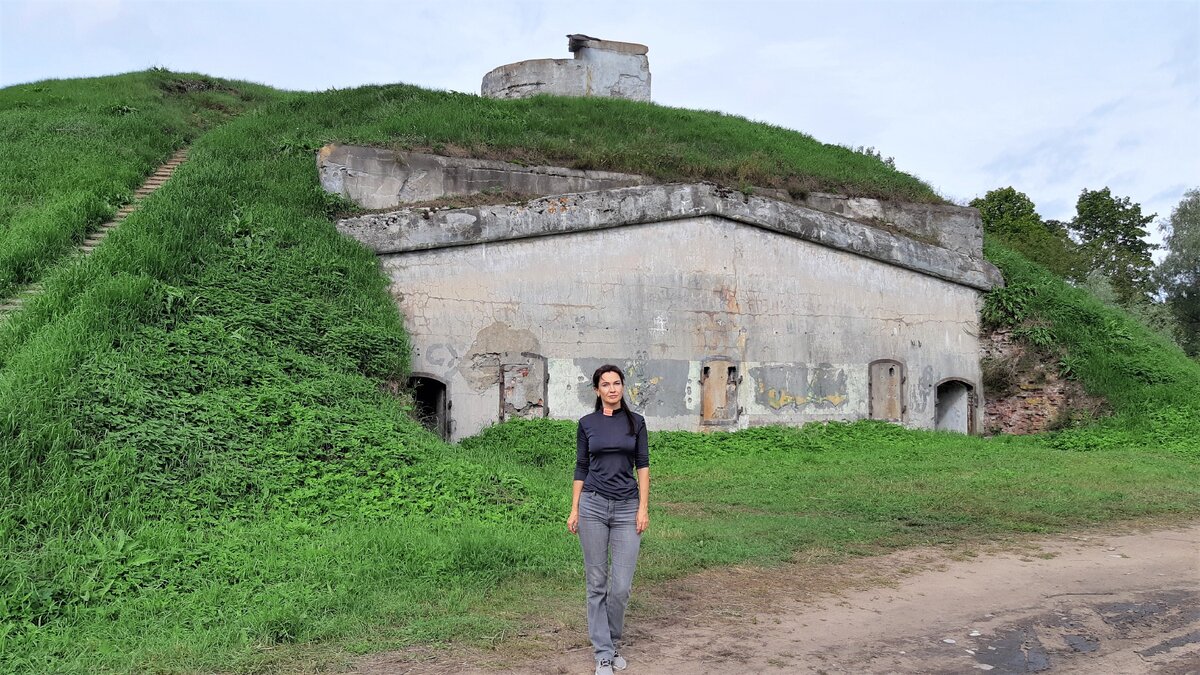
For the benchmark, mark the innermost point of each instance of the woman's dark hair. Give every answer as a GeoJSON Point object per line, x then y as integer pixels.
{"type": "Point", "coordinates": [609, 368]}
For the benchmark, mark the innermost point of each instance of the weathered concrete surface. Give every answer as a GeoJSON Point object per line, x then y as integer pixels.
{"type": "Point", "coordinates": [662, 299]}
{"type": "Point", "coordinates": [415, 230]}
{"type": "Point", "coordinates": [377, 178]}
{"type": "Point", "coordinates": [957, 228]}
{"type": "Point", "coordinates": [600, 68]}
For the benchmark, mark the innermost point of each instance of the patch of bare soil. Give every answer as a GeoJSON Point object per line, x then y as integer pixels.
{"type": "Point", "coordinates": [1090, 602]}
{"type": "Point", "coordinates": [1027, 393]}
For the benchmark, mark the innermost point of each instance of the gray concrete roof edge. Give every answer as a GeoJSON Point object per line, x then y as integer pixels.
{"type": "Point", "coordinates": [410, 230]}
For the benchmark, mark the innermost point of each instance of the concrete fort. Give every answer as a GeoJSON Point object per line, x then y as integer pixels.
{"type": "Point", "coordinates": [726, 310]}
{"type": "Point", "coordinates": [600, 68]}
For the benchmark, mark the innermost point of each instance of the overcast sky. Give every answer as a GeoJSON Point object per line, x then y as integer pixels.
{"type": "Point", "coordinates": [1049, 97]}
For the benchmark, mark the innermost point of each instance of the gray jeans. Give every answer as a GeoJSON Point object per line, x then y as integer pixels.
{"type": "Point", "coordinates": [607, 526]}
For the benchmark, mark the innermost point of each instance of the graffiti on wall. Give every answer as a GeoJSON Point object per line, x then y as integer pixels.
{"type": "Point", "coordinates": [781, 386]}
{"type": "Point", "coordinates": [790, 386]}
{"type": "Point", "coordinates": [655, 387]}
{"type": "Point", "coordinates": [828, 386]}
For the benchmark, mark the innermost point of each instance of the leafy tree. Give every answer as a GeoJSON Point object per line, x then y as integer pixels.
{"type": "Point", "coordinates": [1010, 216]}
{"type": "Point", "coordinates": [1112, 234]}
{"type": "Point", "coordinates": [1179, 273]}
{"type": "Point", "coordinates": [1007, 212]}
{"type": "Point", "coordinates": [1156, 316]}
{"type": "Point", "coordinates": [1058, 228]}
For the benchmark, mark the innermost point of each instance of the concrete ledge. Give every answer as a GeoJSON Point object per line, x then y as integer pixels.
{"type": "Point", "coordinates": [376, 178]}
{"type": "Point", "coordinates": [422, 229]}
{"type": "Point", "coordinates": [957, 228]}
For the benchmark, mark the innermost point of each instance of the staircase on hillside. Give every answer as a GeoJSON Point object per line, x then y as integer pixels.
{"type": "Point", "coordinates": [162, 175]}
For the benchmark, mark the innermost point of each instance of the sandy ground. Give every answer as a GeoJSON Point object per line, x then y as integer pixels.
{"type": "Point", "coordinates": [1094, 602]}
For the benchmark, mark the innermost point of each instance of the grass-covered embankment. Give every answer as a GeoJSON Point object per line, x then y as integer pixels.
{"type": "Point", "coordinates": [1151, 385]}
{"type": "Point", "coordinates": [670, 144]}
{"type": "Point", "coordinates": [75, 150]}
{"type": "Point", "coordinates": [201, 472]}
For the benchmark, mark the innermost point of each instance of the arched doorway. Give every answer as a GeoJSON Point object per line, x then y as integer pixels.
{"type": "Point", "coordinates": [954, 406]}
{"type": "Point", "coordinates": [431, 404]}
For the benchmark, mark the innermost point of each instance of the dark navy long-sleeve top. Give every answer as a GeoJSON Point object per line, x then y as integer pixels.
{"type": "Point", "coordinates": [606, 453]}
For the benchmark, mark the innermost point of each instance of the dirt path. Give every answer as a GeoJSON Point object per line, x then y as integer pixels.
{"type": "Point", "coordinates": [1089, 603]}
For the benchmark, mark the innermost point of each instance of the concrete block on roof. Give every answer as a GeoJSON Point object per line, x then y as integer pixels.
{"type": "Point", "coordinates": [603, 68]}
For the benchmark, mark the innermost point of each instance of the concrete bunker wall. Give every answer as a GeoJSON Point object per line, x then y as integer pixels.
{"type": "Point", "coordinates": [725, 309]}
{"type": "Point", "coordinates": [799, 322]}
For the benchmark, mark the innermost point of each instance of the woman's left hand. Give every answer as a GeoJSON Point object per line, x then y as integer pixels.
{"type": "Point", "coordinates": [643, 520]}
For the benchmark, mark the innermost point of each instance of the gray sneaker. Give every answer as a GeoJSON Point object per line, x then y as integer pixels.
{"type": "Point", "coordinates": [619, 662]}
{"type": "Point", "coordinates": [604, 667]}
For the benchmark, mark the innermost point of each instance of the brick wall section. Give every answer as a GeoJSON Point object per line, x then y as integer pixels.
{"type": "Point", "coordinates": [1037, 395]}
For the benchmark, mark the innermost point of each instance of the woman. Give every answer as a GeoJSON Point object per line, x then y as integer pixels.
{"type": "Point", "coordinates": [609, 509]}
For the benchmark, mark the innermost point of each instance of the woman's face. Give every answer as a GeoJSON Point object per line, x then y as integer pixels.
{"type": "Point", "coordinates": [610, 389]}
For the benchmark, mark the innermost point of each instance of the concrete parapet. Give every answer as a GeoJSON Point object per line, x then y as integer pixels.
{"type": "Point", "coordinates": [421, 229]}
{"type": "Point", "coordinates": [376, 178]}
{"type": "Point", "coordinates": [600, 68]}
{"type": "Point", "coordinates": [957, 228]}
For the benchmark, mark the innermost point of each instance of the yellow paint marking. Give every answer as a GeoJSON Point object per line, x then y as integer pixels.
{"type": "Point", "coordinates": [777, 399]}
{"type": "Point", "coordinates": [836, 399]}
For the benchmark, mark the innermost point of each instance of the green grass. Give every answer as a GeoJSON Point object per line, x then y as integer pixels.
{"type": "Point", "coordinates": [671, 144]}
{"type": "Point", "coordinates": [256, 592]}
{"type": "Point", "coordinates": [75, 150]}
{"type": "Point", "coordinates": [201, 472]}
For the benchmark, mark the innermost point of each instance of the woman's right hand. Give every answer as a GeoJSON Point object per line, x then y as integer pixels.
{"type": "Point", "coordinates": [573, 522]}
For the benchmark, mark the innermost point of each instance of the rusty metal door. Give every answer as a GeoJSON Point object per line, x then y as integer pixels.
{"type": "Point", "coordinates": [887, 390]}
{"type": "Point", "coordinates": [719, 381]}
{"type": "Point", "coordinates": [522, 385]}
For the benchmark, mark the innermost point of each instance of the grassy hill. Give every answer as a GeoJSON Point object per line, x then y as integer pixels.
{"type": "Point", "coordinates": [76, 149]}
{"type": "Point", "coordinates": [202, 472]}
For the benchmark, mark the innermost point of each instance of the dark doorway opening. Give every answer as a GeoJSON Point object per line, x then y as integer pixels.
{"type": "Point", "coordinates": [431, 404]}
{"type": "Point", "coordinates": [954, 406]}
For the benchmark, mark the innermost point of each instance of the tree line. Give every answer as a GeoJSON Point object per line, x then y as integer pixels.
{"type": "Point", "coordinates": [1104, 248]}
